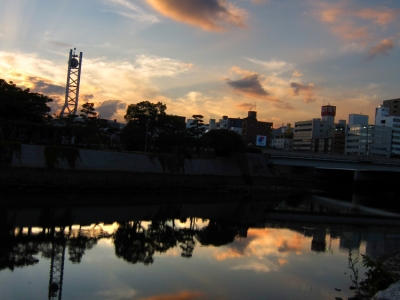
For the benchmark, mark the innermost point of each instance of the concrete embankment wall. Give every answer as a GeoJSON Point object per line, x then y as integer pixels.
{"type": "Point", "coordinates": [108, 170]}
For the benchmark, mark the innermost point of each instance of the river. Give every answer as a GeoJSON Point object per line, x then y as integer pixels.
{"type": "Point", "coordinates": [239, 248]}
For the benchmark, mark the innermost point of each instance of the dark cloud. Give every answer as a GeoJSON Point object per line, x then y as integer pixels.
{"type": "Point", "coordinates": [382, 48]}
{"type": "Point", "coordinates": [214, 15]}
{"type": "Point", "coordinates": [246, 105]}
{"type": "Point", "coordinates": [250, 85]}
{"type": "Point", "coordinates": [57, 104]}
{"type": "Point", "coordinates": [108, 108]}
{"type": "Point", "coordinates": [88, 97]}
{"type": "Point", "coordinates": [45, 87]}
{"type": "Point", "coordinates": [307, 91]}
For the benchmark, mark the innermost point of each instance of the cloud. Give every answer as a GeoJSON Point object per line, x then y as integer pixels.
{"type": "Point", "coordinates": [156, 66]}
{"type": "Point", "coordinates": [249, 83]}
{"type": "Point", "coordinates": [336, 12]}
{"type": "Point", "coordinates": [382, 48]}
{"type": "Point", "coordinates": [374, 85]}
{"type": "Point", "coordinates": [273, 65]}
{"type": "Point", "coordinates": [43, 86]}
{"type": "Point", "coordinates": [184, 295]}
{"type": "Point", "coordinates": [297, 74]}
{"type": "Point", "coordinates": [351, 22]}
{"type": "Point", "coordinates": [88, 97]}
{"type": "Point", "coordinates": [256, 267]}
{"type": "Point", "coordinates": [349, 32]}
{"type": "Point", "coordinates": [210, 15]}
{"type": "Point", "coordinates": [117, 293]}
{"type": "Point", "coordinates": [282, 105]}
{"type": "Point", "coordinates": [198, 103]}
{"type": "Point", "coordinates": [246, 105]}
{"type": "Point", "coordinates": [59, 44]}
{"type": "Point", "coordinates": [108, 108]}
{"type": "Point", "coordinates": [126, 9]}
{"type": "Point", "coordinates": [305, 90]}
{"type": "Point", "coordinates": [129, 82]}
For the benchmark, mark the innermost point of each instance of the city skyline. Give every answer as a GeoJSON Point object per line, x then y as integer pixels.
{"type": "Point", "coordinates": [284, 59]}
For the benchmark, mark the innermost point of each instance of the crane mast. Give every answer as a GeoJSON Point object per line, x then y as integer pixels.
{"type": "Point", "coordinates": [73, 81]}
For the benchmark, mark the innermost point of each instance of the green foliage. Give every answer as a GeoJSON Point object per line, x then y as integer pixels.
{"type": "Point", "coordinates": [377, 277]}
{"type": "Point", "coordinates": [7, 150]}
{"type": "Point", "coordinates": [224, 142]}
{"type": "Point", "coordinates": [53, 153]}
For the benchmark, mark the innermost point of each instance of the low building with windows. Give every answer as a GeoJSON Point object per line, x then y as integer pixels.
{"type": "Point", "coordinates": [316, 135]}
{"type": "Point", "coordinates": [282, 138]}
{"type": "Point", "coordinates": [368, 140]}
{"type": "Point", "coordinates": [255, 132]}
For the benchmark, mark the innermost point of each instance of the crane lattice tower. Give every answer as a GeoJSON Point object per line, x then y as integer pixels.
{"type": "Point", "coordinates": [73, 81]}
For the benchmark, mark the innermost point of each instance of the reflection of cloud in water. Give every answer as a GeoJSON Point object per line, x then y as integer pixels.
{"type": "Point", "coordinates": [265, 242]}
{"type": "Point", "coordinates": [283, 261]}
{"type": "Point", "coordinates": [257, 267]}
{"type": "Point", "coordinates": [184, 295]}
{"type": "Point", "coordinates": [118, 293]}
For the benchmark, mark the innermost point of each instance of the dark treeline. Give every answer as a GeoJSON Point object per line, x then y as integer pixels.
{"type": "Point", "coordinates": [25, 118]}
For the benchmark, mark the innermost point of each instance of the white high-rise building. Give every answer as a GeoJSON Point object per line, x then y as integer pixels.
{"type": "Point", "coordinates": [382, 118]}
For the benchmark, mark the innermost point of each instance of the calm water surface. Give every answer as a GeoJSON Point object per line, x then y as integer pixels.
{"type": "Point", "coordinates": [295, 249]}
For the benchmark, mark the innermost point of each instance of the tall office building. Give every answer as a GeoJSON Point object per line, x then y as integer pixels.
{"type": "Point", "coordinates": [393, 105]}
{"type": "Point", "coordinates": [358, 119]}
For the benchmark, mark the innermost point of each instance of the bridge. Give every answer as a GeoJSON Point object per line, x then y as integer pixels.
{"type": "Point", "coordinates": [333, 161]}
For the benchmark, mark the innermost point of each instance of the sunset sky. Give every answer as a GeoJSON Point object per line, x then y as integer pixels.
{"type": "Point", "coordinates": [282, 58]}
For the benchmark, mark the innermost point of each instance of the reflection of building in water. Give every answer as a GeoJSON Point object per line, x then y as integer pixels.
{"type": "Point", "coordinates": [350, 240]}
{"type": "Point", "coordinates": [318, 243]}
{"type": "Point", "coordinates": [379, 243]}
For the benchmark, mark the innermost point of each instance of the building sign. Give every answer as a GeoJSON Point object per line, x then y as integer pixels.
{"type": "Point", "coordinates": [261, 140]}
{"type": "Point", "coordinates": [328, 110]}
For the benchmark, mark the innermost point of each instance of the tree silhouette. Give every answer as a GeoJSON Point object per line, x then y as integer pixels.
{"type": "Point", "coordinates": [132, 243]}
{"type": "Point", "coordinates": [217, 234]}
{"type": "Point", "coordinates": [224, 142]}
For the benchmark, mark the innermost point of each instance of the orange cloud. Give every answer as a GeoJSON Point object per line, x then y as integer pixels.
{"type": "Point", "coordinates": [344, 19]}
{"type": "Point", "coordinates": [264, 242]}
{"type": "Point", "coordinates": [307, 91]}
{"type": "Point", "coordinates": [379, 16]}
{"type": "Point", "coordinates": [382, 48]}
{"type": "Point", "coordinates": [297, 74]}
{"type": "Point", "coordinates": [349, 32]}
{"type": "Point", "coordinates": [211, 15]}
{"type": "Point", "coordinates": [231, 253]}
{"type": "Point", "coordinates": [184, 295]}
{"type": "Point", "coordinates": [283, 261]}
